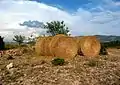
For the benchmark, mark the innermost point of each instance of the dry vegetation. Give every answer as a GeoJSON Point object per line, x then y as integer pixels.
{"type": "Point", "coordinates": [28, 69]}
{"type": "Point", "coordinates": [67, 47]}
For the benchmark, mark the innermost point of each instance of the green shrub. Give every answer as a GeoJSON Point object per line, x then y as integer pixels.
{"type": "Point", "coordinates": [11, 46]}
{"type": "Point", "coordinates": [103, 50]}
{"type": "Point", "coordinates": [58, 61]}
{"type": "Point", "coordinates": [2, 43]}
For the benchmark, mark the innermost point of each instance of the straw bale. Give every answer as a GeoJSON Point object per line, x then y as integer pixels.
{"type": "Point", "coordinates": [63, 47]}
{"type": "Point", "coordinates": [90, 46]}
{"type": "Point", "coordinates": [38, 43]}
{"type": "Point", "coordinates": [77, 40]}
{"type": "Point", "coordinates": [54, 40]}
{"type": "Point", "coordinates": [42, 46]}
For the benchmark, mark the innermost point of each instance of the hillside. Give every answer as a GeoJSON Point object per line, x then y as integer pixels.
{"type": "Point", "coordinates": [106, 38]}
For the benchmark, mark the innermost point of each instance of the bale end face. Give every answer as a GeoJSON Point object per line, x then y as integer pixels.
{"type": "Point", "coordinates": [63, 47]}
{"type": "Point", "coordinates": [90, 46]}
{"type": "Point", "coordinates": [42, 46]}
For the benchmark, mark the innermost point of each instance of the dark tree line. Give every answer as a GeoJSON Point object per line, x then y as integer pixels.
{"type": "Point", "coordinates": [112, 44]}
{"type": "Point", "coordinates": [2, 44]}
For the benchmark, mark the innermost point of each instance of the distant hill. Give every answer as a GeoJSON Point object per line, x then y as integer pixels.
{"type": "Point", "coordinates": [106, 38]}
{"type": "Point", "coordinates": [102, 38]}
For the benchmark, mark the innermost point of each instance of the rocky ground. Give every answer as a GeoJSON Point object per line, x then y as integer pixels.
{"type": "Point", "coordinates": [28, 69]}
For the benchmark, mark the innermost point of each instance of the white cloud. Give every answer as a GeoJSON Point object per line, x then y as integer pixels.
{"type": "Point", "coordinates": [117, 3]}
{"type": "Point", "coordinates": [81, 22]}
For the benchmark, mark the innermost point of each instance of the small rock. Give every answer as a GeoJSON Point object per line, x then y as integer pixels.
{"type": "Point", "coordinates": [9, 66]}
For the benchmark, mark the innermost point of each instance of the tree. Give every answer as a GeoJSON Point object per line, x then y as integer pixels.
{"type": "Point", "coordinates": [56, 27]}
{"type": "Point", "coordinates": [31, 40]}
{"type": "Point", "coordinates": [19, 39]}
{"type": "Point", "coordinates": [2, 44]}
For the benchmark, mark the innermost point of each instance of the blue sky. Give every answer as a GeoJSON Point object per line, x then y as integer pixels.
{"type": "Point", "coordinates": [66, 4]}
{"type": "Point", "coordinates": [83, 17]}
{"type": "Point", "coordinates": [76, 4]}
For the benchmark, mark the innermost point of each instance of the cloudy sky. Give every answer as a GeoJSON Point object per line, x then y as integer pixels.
{"type": "Point", "coordinates": [83, 17]}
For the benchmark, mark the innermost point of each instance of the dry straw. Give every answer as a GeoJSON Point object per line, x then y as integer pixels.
{"type": "Point", "coordinates": [89, 46]}
{"type": "Point", "coordinates": [63, 47]}
{"type": "Point", "coordinates": [42, 46]}
{"type": "Point", "coordinates": [54, 40]}
{"type": "Point", "coordinates": [66, 47]}
{"type": "Point", "coordinates": [77, 40]}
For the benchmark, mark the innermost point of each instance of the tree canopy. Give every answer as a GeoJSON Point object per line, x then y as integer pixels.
{"type": "Point", "coordinates": [56, 27]}
{"type": "Point", "coordinates": [19, 39]}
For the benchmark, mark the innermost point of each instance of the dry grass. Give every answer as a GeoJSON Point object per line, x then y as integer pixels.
{"type": "Point", "coordinates": [32, 70]}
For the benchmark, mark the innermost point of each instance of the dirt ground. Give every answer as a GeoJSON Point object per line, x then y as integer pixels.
{"type": "Point", "coordinates": [31, 70]}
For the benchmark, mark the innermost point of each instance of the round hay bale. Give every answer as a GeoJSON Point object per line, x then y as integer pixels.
{"type": "Point", "coordinates": [38, 46]}
{"type": "Point", "coordinates": [54, 40]}
{"type": "Point", "coordinates": [42, 46]}
{"type": "Point", "coordinates": [63, 47]}
{"type": "Point", "coordinates": [90, 46]}
{"type": "Point", "coordinates": [77, 40]}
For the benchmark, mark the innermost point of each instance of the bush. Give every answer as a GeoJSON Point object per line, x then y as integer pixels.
{"type": "Point", "coordinates": [2, 44]}
{"type": "Point", "coordinates": [11, 46]}
{"type": "Point", "coordinates": [58, 61]}
{"type": "Point", "coordinates": [103, 50]}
